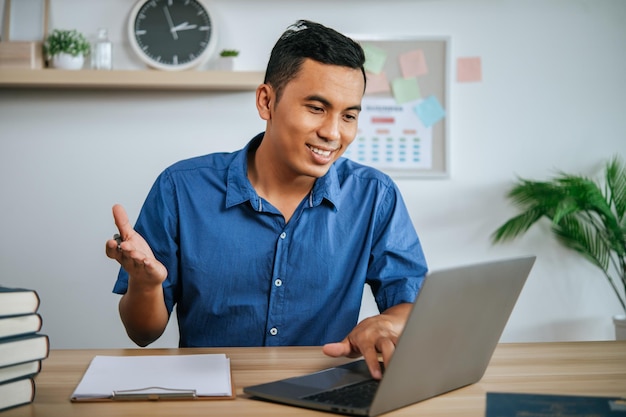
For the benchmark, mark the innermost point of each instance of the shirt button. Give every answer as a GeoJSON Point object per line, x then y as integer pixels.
{"type": "Point", "coordinates": [283, 235]}
{"type": "Point", "coordinates": [273, 331]}
{"type": "Point", "coordinates": [278, 282]}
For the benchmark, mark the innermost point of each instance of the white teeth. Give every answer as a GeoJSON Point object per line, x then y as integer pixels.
{"type": "Point", "coordinates": [320, 152]}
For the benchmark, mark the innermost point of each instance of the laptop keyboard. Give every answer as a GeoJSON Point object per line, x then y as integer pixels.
{"type": "Point", "coordinates": [357, 395]}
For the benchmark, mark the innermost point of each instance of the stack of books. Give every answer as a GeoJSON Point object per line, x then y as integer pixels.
{"type": "Point", "coordinates": [22, 346]}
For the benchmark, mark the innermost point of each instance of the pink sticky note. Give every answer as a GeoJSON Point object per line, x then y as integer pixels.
{"type": "Point", "coordinates": [468, 70]}
{"type": "Point", "coordinates": [376, 83]}
{"type": "Point", "coordinates": [413, 64]}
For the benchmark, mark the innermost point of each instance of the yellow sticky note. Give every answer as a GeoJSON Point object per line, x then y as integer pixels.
{"type": "Point", "coordinates": [375, 58]}
{"type": "Point", "coordinates": [405, 90]}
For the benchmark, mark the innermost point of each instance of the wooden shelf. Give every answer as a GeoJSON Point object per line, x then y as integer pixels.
{"type": "Point", "coordinates": [132, 80]}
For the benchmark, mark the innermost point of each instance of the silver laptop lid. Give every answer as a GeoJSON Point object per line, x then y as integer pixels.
{"type": "Point", "coordinates": [452, 331]}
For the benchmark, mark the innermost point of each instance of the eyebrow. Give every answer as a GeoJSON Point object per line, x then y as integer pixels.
{"type": "Point", "coordinates": [327, 103]}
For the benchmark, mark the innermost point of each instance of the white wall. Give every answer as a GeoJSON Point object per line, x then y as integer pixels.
{"type": "Point", "coordinates": [552, 98]}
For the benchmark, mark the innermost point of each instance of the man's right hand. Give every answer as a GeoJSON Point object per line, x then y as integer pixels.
{"type": "Point", "coordinates": [134, 253]}
{"type": "Point", "coordinates": [142, 307]}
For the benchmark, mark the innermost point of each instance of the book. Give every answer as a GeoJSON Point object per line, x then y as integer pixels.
{"type": "Point", "coordinates": [197, 376]}
{"type": "Point", "coordinates": [20, 349]}
{"type": "Point", "coordinates": [18, 325]}
{"type": "Point", "coordinates": [16, 393]}
{"type": "Point", "coordinates": [18, 301]}
{"type": "Point", "coordinates": [19, 371]}
{"type": "Point", "coordinates": [503, 404]}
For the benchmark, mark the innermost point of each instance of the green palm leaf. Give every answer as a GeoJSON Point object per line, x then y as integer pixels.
{"type": "Point", "coordinates": [584, 239]}
{"type": "Point", "coordinates": [616, 181]}
{"type": "Point", "coordinates": [584, 216]}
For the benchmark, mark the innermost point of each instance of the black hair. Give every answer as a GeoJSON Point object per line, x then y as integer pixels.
{"type": "Point", "coordinates": [305, 39]}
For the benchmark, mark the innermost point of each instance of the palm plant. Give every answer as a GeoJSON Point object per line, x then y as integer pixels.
{"type": "Point", "coordinates": [585, 216]}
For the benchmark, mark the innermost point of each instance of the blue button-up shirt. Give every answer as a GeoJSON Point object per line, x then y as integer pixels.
{"type": "Point", "coordinates": [240, 276]}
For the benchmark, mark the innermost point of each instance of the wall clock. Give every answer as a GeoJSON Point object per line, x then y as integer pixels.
{"type": "Point", "coordinates": [172, 34]}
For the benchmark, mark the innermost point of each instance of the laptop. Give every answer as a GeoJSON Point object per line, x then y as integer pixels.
{"type": "Point", "coordinates": [447, 343]}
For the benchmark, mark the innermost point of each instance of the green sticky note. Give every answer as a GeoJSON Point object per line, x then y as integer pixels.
{"type": "Point", "coordinates": [405, 90]}
{"type": "Point", "coordinates": [374, 58]}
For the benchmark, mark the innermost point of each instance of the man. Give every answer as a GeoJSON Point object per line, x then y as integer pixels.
{"type": "Point", "coordinates": [272, 245]}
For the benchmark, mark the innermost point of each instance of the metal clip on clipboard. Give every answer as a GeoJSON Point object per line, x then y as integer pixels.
{"type": "Point", "coordinates": [154, 394]}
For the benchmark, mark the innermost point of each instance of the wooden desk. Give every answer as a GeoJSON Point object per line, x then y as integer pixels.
{"type": "Point", "coordinates": [584, 368]}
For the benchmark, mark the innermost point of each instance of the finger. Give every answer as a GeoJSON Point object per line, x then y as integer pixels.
{"type": "Point", "coordinates": [111, 249]}
{"type": "Point", "coordinates": [121, 221]}
{"type": "Point", "coordinates": [338, 349]}
{"type": "Point", "coordinates": [371, 359]}
{"type": "Point", "coordinates": [386, 347]}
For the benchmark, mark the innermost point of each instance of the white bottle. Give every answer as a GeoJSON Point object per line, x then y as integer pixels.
{"type": "Point", "coordinates": [102, 54]}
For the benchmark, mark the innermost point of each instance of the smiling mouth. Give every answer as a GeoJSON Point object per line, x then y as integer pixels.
{"type": "Point", "coordinates": [318, 151]}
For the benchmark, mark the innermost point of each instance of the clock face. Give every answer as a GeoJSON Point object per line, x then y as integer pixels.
{"type": "Point", "coordinates": [172, 34]}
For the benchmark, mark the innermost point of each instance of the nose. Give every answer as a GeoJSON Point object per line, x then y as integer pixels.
{"type": "Point", "coordinates": [330, 128]}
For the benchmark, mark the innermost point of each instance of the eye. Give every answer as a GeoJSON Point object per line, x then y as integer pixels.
{"type": "Point", "coordinates": [349, 117]}
{"type": "Point", "coordinates": [315, 109]}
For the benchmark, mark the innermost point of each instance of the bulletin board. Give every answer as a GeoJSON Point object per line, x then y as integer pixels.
{"type": "Point", "coordinates": [403, 125]}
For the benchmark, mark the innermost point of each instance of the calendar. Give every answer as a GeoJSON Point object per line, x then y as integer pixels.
{"type": "Point", "coordinates": [391, 136]}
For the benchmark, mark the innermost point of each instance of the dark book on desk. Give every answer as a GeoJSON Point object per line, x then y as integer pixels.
{"type": "Point", "coordinates": [18, 301]}
{"type": "Point", "coordinates": [19, 371]}
{"type": "Point", "coordinates": [19, 392]}
{"type": "Point", "coordinates": [21, 349]}
{"type": "Point", "coordinates": [19, 325]}
{"type": "Point", "coordinates": [501, 404]}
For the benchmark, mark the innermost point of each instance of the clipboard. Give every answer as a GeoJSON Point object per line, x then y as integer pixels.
{"type": "Point", "coordinates": [156, 378]}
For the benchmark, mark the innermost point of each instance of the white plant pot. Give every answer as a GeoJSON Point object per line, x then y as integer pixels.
{"type": "Point", "coordinates": [67, 61]}
{"type": "Point", "coordinates": [226, 63]}
{"type": "Point", "coordinates": [619, 321]}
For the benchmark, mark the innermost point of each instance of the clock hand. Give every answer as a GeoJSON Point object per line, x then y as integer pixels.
{"type": "Point", "coordinates": [169, 22]}
{"type": "Point", "coordinates": [184, 26]}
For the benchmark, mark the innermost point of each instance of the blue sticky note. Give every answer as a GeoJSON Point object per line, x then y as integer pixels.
{"type": "Point", "coordinates": [405, 90]}
{"type": "Point", "coordinates": [430, 111]}
{"type": "Point", "coordinates": [375, 58]}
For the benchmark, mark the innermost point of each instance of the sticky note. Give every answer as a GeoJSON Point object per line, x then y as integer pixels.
{"type": "Point", "coordinates": [375, 58]}
{"type": "Point", "coordinates": [377, 83]}
{"type": "Point", "coordinates": [430, 111]}
{"type": "Point", "coordinates": [413, 64]}
{"type": "Point", "coordinates": [405, 90]}
{"type": "Point", "coordinates": [468, 69]}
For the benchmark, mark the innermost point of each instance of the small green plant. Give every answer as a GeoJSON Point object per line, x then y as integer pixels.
{"type": "Point", "coordinates": [68, 41]}
{"type": "Point", "coordinates": [229, 52]}
{"type": "Point", "coordinates": [586, 216]}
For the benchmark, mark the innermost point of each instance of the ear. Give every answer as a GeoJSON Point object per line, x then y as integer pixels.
{"type": "Point", "coordinates": [265, 101]}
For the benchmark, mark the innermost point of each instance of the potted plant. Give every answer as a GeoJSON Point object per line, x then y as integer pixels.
{"type": "Point", "coordinates": [226, 61]}
{"type": "Point", "coordinates": [586, 215]}
{"type": "Point", "coordinates": [66, 48]}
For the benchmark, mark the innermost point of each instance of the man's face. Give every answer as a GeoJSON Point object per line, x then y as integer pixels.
{"type": "Point", "coordinates": [315, 119]}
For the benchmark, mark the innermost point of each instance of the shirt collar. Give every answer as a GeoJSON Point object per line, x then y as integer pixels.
{"type": "Point", "coordinates": [239, 189]}
{"type": "Point", "coordinates": [326, 188]}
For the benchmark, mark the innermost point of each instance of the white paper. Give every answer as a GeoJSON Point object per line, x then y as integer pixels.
{"type": "Point", "coordinates": [204, 374]}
